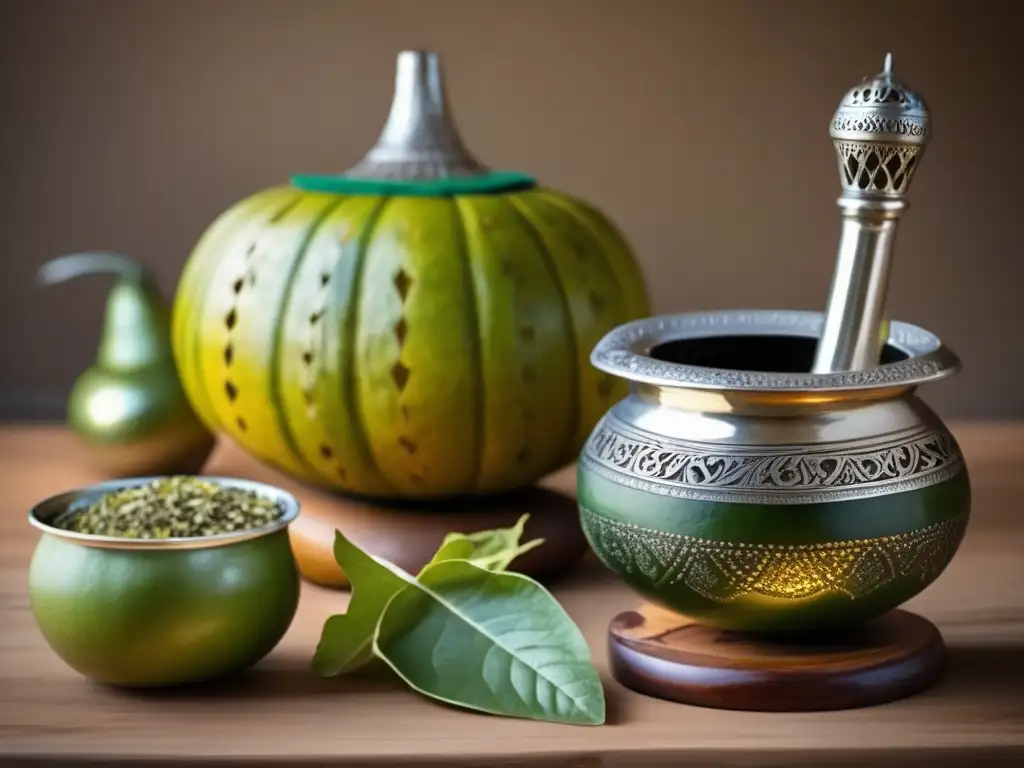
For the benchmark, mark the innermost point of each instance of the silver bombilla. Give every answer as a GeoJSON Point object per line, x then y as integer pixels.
{"type": "Point", "coordinates": [879, 131]}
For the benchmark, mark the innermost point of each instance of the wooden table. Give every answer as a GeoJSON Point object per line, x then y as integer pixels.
{"type": "Point", "coordinates": [281, 713]}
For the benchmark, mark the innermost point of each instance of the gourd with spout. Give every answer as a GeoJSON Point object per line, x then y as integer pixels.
{"type": "Point", "coordinates": [129, 407]}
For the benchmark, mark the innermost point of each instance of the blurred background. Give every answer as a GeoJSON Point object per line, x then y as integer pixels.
{"type": "Point", "coordinates": [701, 128]}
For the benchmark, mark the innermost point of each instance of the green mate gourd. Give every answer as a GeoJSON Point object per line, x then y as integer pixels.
{"type": "Point", "coordinates": [419, 326]}
{"type": "Point", "coordinates": [129, 406]}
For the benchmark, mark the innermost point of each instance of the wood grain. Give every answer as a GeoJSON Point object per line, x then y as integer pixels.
{"type": "Point", "coordinates": [281, 714]}
{"type": "Point", "coordinates": [408, 536]}
{"type": "Point", "coordinates": [662, 654]}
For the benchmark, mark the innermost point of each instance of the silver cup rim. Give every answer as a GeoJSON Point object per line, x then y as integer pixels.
{"type": "Point", "coordinates": [625, 351]}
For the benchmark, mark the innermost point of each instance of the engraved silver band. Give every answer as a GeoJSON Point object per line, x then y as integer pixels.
{"type": "Point", "coordinates": [786, 474]}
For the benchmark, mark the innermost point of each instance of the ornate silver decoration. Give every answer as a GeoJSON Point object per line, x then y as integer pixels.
{"type": "Point", "coordinates": [770, 475]}
{"type": "Point", "coordinates": [879, 132]}
{"type": "Point", "coordinates": [885, 168]}
{"type": "Point", "coordinates": [844, 122]}
{"type": "Point", "coordinates": [724, 571]}
{"type": "Point", "coordinates": [419, 140]}
{"type": "Point", "coordinates": [882, 105]}
{"type": "Point", "coordinates": [625, 351]}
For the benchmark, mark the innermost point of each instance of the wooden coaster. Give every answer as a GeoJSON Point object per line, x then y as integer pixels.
{"type": "Point", "coordinates": [409, 535]}
{"type": "Point", "coordinates": [666, 655]}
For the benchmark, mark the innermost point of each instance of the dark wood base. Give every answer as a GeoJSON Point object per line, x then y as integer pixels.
{"type": "Point", "coordinates": [408, 535]}
{"type": "Point", "coordinates": [663, 654]}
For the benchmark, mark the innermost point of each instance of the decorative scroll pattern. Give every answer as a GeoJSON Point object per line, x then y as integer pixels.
{"type": "Point", "coordinates": [856, 122]}
{"type": "Point", "coordinates": [725, 571]}
{"type": "Point", "coordinates": [785, 475]}
{"type": "Point", "coordinates": [882, 91]}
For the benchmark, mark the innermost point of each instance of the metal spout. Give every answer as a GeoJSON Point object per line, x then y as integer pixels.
{"type": "Point", "coordinates": [879, 131]}
{"type": "Point", "coordinates": [420, 140]}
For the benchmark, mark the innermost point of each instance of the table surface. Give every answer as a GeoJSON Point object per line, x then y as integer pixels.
{"type": "Point", "coordinates": [280, 712]}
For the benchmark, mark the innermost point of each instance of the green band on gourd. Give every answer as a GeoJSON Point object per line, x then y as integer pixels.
{"type": "Point", "coordinates": [493, 182]}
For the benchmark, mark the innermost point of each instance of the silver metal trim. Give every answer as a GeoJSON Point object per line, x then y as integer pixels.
{"type": "Point", "coordinates": [881, 107]}
{"type": "Point", "coordinates": [625, 351]}
{"type": "Point", "coordinates": [784, 474]}
{"type": "Point", "coordinates": [47, 511]}
{"type": "Point", "coordinates": [420, 139]}
{"type": "Point", "coordinates": [767, 498]}
{"type": "Point", "coordinates": [879, 133]}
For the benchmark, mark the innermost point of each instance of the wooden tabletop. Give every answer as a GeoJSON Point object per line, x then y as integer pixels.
{"type": "Point", "coordinates": [281, 713]}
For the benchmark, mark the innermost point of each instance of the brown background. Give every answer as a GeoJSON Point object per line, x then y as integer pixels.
{"type": "Point", "coordinates": [700, 127]}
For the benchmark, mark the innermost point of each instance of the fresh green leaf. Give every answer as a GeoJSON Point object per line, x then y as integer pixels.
{"type": "Point", "coordinates": [500, 561]}
{"type": "Point", "coordinates": [495, 549]}
{"type": "Point", "coordinates": [346, 642]}
{"type": "Point", "coordinates": [496, 642]}
{"type": "Point", "coordinates": [454, 547]}
{"type": "Point", "coordinates": [492, 542]}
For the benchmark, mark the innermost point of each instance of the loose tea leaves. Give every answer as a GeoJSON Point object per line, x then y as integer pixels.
{"type": "Point", "coordinates": [174, 507]}
{"type": "Point", "coordinates": [465, 631]}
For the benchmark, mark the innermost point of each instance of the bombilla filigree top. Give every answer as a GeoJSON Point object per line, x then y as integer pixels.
{"type": "Point", "coordinates": [879, 131]}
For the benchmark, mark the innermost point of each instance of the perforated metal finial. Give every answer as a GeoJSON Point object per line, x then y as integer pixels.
{"type": "Point", "coordinates": [879, 131]}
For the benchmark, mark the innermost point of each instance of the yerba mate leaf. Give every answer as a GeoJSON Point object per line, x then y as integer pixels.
{"type": "Point", "coordinates": [496, 549]}
{"type": "Point", "coordinates": [454, 547]}
{"type": "Point", "coordinates": [494, 541]}
{"type": "Point", "coordinates": [496, 642]}
{"type": "Point", "coordinates": [346, 643]}
{"type": "Point", "coordinates": [501, 560]}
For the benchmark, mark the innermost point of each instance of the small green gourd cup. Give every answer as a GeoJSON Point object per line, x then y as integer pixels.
{"type": "Point", "coordinates": [162, 612]}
